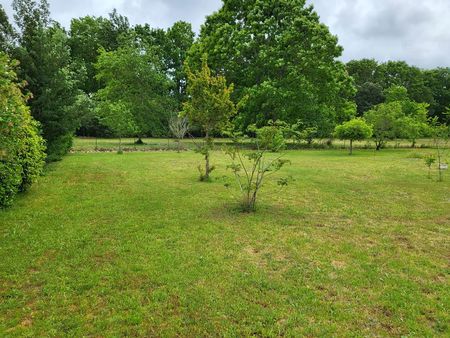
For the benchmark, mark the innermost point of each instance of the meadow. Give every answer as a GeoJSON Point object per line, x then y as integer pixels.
{"type": "Point", "coordinates": [114, 245]}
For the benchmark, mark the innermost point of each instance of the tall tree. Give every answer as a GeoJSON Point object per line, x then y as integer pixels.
{"type": "Point", "coordinates": [172, 46]}
{"type": "Point", "coordinates": [438, 81]}
{"type": "Point", "coordinates": [279, 55]}
{"type": "Point", "coordinates": [7, 33]}
{"type": "Point", "coordinates": [134, 77]}
{"type": "Point", "coordinates": [52, 77]}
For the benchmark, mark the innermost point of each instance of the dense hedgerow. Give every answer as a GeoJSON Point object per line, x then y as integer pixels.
{"type": "Point", "coordinates": [22, 149]}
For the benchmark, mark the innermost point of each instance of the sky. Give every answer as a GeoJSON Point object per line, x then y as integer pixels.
{"type": "Point", "coordinates": [416, 31]}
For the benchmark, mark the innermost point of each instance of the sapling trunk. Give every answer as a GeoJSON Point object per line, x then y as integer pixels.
{"type": "Point", "coordinates": [351, 147]}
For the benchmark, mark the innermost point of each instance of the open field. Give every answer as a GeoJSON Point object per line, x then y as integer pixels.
{"type": "Point", "coordinates": [110, 245]}
{"type": "Point", "coordinates": [86, 144]}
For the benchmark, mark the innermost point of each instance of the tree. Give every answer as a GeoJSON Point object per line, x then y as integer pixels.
{"type": "Point", "coordinates": [279, 56]}
{"type": "Point", "coordinates": [171, 46]}
{"type": "Point", "coordinates": [7, 33]}
{"type": "Point", "coordinates": [55, 99]}
{"type": "Point", "coordinates": [179, 126]}
{"type": "Point", "coordinates": [369, 95]}
{"type": "Point", "coordinates": [22, 149]}
{"type": "Point", "coordinates": [88, 35]}
{"type": "Point", "coordinates": [414, 120]}
{"type": "Point", "coordinates": [252, 169]}
{"type": "Point", "coordinates": [354, 130]}
{"type": "Point", "coordinates": [52, 77]}
{"type": "Point", "coordinates": [399, 73]}
{"type": "Point", "coordinates": [133, 75]}
{"type": "Point", "coordinates": [118, 117]}
{"type": "Point", "coordinates": [438, 81]}
{"type": "Point", "coordinates": [384, 120]}
{"type": "Point", "coordinates": [210, 106]}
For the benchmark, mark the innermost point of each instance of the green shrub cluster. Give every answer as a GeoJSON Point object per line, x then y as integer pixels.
{"type": "Point", "coordinates": [22, 149]}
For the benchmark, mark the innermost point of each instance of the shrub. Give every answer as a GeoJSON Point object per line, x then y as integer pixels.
{"type": "Point", "coordinates": [21, 147]}
{"type": "Point", "coordinates": [251, 169]}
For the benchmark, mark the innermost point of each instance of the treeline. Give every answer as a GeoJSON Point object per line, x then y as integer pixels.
{"type": "Point", "coordinates": [104, 77]}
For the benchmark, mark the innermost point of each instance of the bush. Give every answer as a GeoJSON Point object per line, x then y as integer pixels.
{"type": "Point", "coordinates": [21, 147]}
{"type": "Point", "coordinates": [59, 147]}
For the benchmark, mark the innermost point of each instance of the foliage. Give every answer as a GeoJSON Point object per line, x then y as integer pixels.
{"type": "Point", "coordinates": [171, 46]}
{"type": "Point", "coordinates": [300, 133]}
{"type": "Point", "coordinates": [88, 35]}
{"type": "Point", "coordinates": [384, 120]}
{"type": "Point", "coordinates": [133, 76]}
{"type": "Point", "coordinates": [279, 56]}
{"type": "Point", "coordinates": [52, 77]}
{"type": "Point", "coordinates": [118, 117]}
{"type": "Point", "coordinates": [252, 169]}
{"type": "Point", "coordinates": [423, 86]}
{"type": "Point", "coordinates": [7, 33]}
{"type": "Point", "coordinates": [209, 106]}
{"type": "Point", "coordinates": [271, 137]}
{"type": "Point", "coordinates": [22, 150]}
{"type": "Point", "coordinates": [354, 130]}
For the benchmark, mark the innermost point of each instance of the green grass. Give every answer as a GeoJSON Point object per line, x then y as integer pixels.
{"type": "Point", "coordinates": [133, 245]}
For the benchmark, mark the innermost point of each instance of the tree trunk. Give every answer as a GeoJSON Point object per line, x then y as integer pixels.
{"type": "Point", "coordinates": [120, 144]}
{"type": "Point", "coordinates": [378, 145]}
{"type": "Point", "coordinates": [351, 147]}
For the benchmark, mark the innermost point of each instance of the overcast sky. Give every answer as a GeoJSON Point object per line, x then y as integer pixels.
{"type": "Point", "coordinates": [417, 31]}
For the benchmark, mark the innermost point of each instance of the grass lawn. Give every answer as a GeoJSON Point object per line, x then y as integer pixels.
{"type": "Point", "coordinates": [110, 245]}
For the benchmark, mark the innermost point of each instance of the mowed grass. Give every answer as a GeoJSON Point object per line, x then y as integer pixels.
{"type": "Point", "coordinates": [133, 245]}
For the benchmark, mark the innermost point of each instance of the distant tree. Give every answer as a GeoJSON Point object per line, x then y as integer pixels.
{"type": "Point", "coordinates": [281, 57]}
{"type": "Point", "coordinates": [364, 71]}
{"type": "Point", "coordinates": [209, 106]}
{"type": "Point", "coordinates": [438, 80]}
{"type": "Point", "coordinates": [354, 130]}
{"type": "Point", "coordinates": [171, 46]}
{"type": "Point", "coordinates": [369, 95]}
{"type": "Point", "coordinates": [414, 120]}
{"type": "Point", "coordinates": [396, 93]}
{"type": "Point", "coordinates": [118, 117]}
{"type": "Point", "coordinates": [179, 126]}
{"type": "Point", "coordinates": [399, 73]}
{"type": "Point", "coordinates": [133, 76]}
{"type": "Point", "coordinates": [384, 119]}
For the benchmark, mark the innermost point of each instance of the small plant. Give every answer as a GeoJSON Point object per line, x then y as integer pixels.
{"type": "Point", "coordinates": [252, 169]}
{"type": "Point", "coordinates": [429, 161]}
{"type": "Point", "coordinates": [179, 126]}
